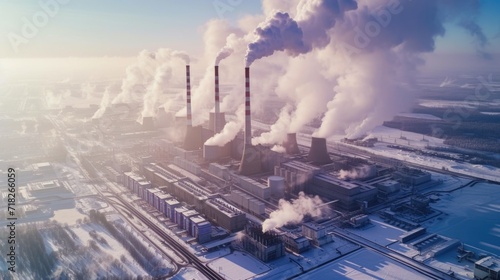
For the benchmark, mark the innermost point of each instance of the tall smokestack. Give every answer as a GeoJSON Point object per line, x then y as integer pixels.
{"type": "Point", "coordinates": [189, 118]}
{"type": "Point", "coordinates": [290, 144]}
{"type": "Point", "coordinates": [250, 162]}
{"type": "Point", "coordinates": [193, 140]}
{"type": "Point", "coordinates": [217, 103]}
{"type": "Point", "coordinates": [248, 120]}
{"type": "Point", "coordinates": [318, 152]}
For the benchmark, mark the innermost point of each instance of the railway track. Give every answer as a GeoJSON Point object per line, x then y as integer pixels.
{"type": "Point", "coordinates": [205, 270]}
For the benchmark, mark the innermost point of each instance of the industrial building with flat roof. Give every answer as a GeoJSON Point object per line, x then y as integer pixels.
{"type": "Point", "coordinates": [350, 194]}
{"type": "Point", "coordinates": [266, 246]}
{"type": "Point", "coordinates": [224, 214]}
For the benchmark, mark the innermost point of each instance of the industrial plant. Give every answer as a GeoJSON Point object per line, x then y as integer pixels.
{"type": "Point", "coordinates": [276, 201]}
{"type": "Point", "coordinates": [273, 155]}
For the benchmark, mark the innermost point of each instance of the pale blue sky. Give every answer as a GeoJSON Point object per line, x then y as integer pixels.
{"type": "Point", "coordinates": [124, 27]}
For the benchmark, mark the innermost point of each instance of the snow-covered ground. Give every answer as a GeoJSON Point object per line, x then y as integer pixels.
{"type": "Point", "coordinates": [238, 265]}
{"type": "Point", "coordinates": [68, 216]}
{"type": "Point", "coordinates": [471, 216]}
{"type": "Point", "coordinates": [379, 232]}
{"type": "Point", "coordinates": [414, 140]}
{"type": "Point", "coordinates": [363, 264]}
{"type": "Point", "coordinates": [188, 273]}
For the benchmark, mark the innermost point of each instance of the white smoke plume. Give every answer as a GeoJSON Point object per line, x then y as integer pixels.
{"type": "Point", "coordinates": [225, 52]}
{"type": "Point", "coordinates": [281, 32]}
{"type": "Point", "coordinates": [361, 172]}
{"type": "Point", "coordinates": [367, 54]}
{"type": "Point", "coordinates": [279, 149]}
{"type": "Point", "coordinates": [306, 90]}
{"type": "Point", "coordinates": [159, 86]}
{"type": "Point", "coordinates": [229, 131]}
{"type": "Point", "coordinates": [137, 78]}
{"type": "Point", "coordinates": [278, 130]}
{"type": "Point", "coordinates": [278, 33]}
{"type": "Point", "coordinates": [293, 212]}
{"type": "Point", "coordinates": [182, 55]}
{"type": "Point", "coordinates": [105, 102]}
{"type": "Point", "coordinates": [379, 49]}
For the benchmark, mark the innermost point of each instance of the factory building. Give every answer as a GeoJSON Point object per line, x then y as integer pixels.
{"type": "Point", "coordinates": [187, 165]}
{"type": "Point", "coordinates": [159, 176]}
{"type": "Point", "coordinates": [47, 189]}
{"type": "Point", "coordinates": [296, 174]}
{"type": "Point", "coordinates": [169, 207]}
{"type": "Point", "coordinates": [387, 189]}
{"type": "Point", "coordinates": [350, 195]}
{"type": "Point", "coordinates": [247, 203]}
{"type": "Point", "coordinates": [266, 246]}
{"type": "Point", "coordinates": [178, 217]}
{"type": "Point", "coordinates": [316, 233]}
{"type": "Point", "coordinates": [201, 229]}
{"type": "Point", "coordinates": [224, 214]}
{"type": "Point", "coordinates": [137, 184]}
{"type": "Point", "coordinates": [411, 176]}
{"type": "Point", "coordinates": [162, 199]}
{"type": "Point", "coordinates": [190, 193]}
{"type": "Point", "coordinates": [219, 170]}
{"type": "Point", "coordinates": [253, 187]}
{"type": "Point", "coordinates": [186, 220]}
{"type": "Point", "coordinates": [487, 268]}
{"type": "Point", "coordinates": [296, 243]}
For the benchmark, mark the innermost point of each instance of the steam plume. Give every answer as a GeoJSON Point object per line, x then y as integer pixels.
{"type": "Point", "coordinates": [280, 32]}
{"type": "Point", "coordinates": [182, 55]}
{"type": "Point", "coordinates": [225, 52]}
{"type": "Point", "coordinates": [105, 102]}
{"type": "Point", "coordinates": [362, 172]}
{"type": "Point", "coordinates": [293, 212]}
{"type": "Point", "coordinates": [229, 131]}
{"type": "Point", "coordinates": [160, 83]}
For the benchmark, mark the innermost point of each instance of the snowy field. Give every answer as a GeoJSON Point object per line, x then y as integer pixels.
{"type": "Point", "coordinates": [471, 215]}
{"type": "Point", "coordinates": [363, 264]}
{"type": "Point", "coordinates": [389, 135]}
{"type": "Point", "coordinates": [188, 273]}
{"type": "Point", "coordinates": [238, 265]}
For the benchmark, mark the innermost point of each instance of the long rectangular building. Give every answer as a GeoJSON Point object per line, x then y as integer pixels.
{"type": "Point", "coordinates": [224, 214]}
{"type": "Point", "coordinates": [350, 194]}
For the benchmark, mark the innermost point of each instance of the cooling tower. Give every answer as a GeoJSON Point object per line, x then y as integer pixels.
{"type": "Point", "coordinates": [318, 152]}
{"type": "Point", "coordinates": [148, 123]}
{"type": "Point", "coordinates": [220, 118]}
{"type": "Point", "coordinates": [290, 144]}
{"type": "Point", "coordinates": [193, 139]}
{"type": "Point", "coordinates": [250, 161]}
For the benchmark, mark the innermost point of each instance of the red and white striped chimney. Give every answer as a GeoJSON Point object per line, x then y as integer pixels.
{"type": "Point", "coordinates": [217, 102]}
{"type": "Point", "coordinates": [248, 119]}
{"type": "Point", "coordinates": [188, 97]}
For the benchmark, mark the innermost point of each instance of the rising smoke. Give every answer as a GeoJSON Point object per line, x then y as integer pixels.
{"type": "Point", "coordinates": [159, 86]}
{"type": "Point", "coordinates": [280, 32]}
{"type": "Point", "coordinates": [361, 172]}
{"type": "Point", "coordinates": [293, 212]}
{"type": "Point", "coordinates": [105, 102]}
{"type": "Point", "coordinates": [365, 55]}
